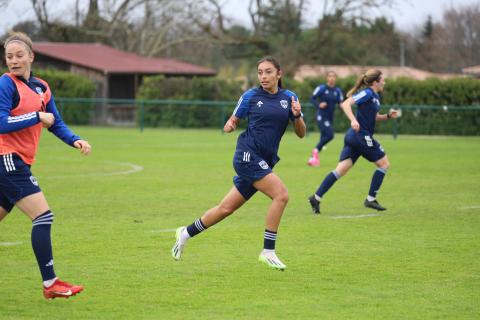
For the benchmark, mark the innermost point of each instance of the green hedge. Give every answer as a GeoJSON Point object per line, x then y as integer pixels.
{"type": "Point", "coordinates": [68, 85]}
{"type": "Point", "coordinates": [410, 95]}
{"type": "Point", "coordinates": [187, 116]}
{"type": "Point", "coordinates": [414, 98]}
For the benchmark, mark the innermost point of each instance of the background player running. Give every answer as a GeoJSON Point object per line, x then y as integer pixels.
{"type": "Point", "coordinates": [359, 139]}
{"type": "Point", "coordinates": [325, 97]}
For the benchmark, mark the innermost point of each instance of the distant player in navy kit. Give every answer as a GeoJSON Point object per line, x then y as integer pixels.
{"type": "Point", "coordinates": [269, 109]}
{"type": "Point", "coordinates": [27, 105]}
{"type": "Point", "coordinates": [325, 97]}
{"type": "Point", "coordinates": [359, 139]}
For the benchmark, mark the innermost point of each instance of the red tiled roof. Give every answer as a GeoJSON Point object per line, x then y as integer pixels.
{"type": "Point", "coordinates": [472, 70]}
{"type": "Point", "coordinates": [110, 60]}
{"type": "Point", "coordinates": [307, 71]}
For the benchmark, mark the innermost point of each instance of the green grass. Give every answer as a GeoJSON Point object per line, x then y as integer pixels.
{"type": "Point", "coordinates": [419, 260]}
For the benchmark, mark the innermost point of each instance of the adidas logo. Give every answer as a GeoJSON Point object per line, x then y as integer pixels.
{"type": "Point", "coordinates": [50, 263]}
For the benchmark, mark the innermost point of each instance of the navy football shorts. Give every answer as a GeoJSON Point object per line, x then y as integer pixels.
{"type": "Point", "coordinates": [361, 145]}
{"type": "Point", "coordinates": [249, 168]}
{"type": "Point", "coordinates": [16, 181]}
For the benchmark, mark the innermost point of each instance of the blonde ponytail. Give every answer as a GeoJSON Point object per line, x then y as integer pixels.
{"type": "Point", "coordinates": [365, 80]}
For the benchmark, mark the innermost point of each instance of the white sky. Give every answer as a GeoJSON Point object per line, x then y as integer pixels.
{"type": "Point", "coordinates": [406, 14]}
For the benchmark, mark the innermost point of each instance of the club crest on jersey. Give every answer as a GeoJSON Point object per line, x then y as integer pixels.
{"type": "Point", "coordinates": [34, 181]}
{"type": "Point", "coordinates": [259, 104]}
{"type": "Point", "coordinates": [284, 104]}
{"type": "Point", "coordinates": [39, 90]}
{"type": "Point", "coordinates": [263, 164]}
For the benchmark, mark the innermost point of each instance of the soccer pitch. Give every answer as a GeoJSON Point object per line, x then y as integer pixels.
{"type": "Point", "coordinates": [116, 211]}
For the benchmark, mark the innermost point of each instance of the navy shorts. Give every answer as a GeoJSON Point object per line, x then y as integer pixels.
{"type": "Point", "coordinates": [325, 126]}
{"type": "Point", "coordinates": [16, 180]}
{"type": "Point", "coordinates": [361, 145]}
{"type": "Point", "coordinates": [249, 168]}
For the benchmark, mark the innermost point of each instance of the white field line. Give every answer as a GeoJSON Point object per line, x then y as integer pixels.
{"type": "Point", "coordinates": [9, 244]}
{"type": "Point", "coordinates": [132, 168]}
{"type": "Point", "coordinates": [470, 207]}
{"type": "Point", "coordinates": [359, 216]}
{"type": "Point", "coordinates": [163, 230]}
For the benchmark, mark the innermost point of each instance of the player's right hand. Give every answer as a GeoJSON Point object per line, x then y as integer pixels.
{"type": "Point", "coordinates": [355, 125]}
{"type": "Point", "coordinates": [47, 119]}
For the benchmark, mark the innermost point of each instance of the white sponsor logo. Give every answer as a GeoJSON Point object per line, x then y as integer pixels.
{"type": "Point", "coordinates": [326, 91]}
{"type": "Point", "coordinates": [34, 181]}
{"type": "Point", "coordinates": [319, 118]}
{"type": "Point", "coordinates": [263, 165]}
{"type": "Point", "coordinates": [369, 141]}
{"type": "Point", "coordinates": [39, 90]}
{"type": "Point", "coordinates": [284, 104]}
{"type": "Point", "coordinates": [327, 123]}
{"type": "Point", "coordinates": [259, 104]}
{"type": "Point", "coordinates": [49, 264]}
{"type": "Point", "coordinates": [246, 156]}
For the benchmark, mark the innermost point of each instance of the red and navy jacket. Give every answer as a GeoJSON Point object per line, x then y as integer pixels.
{"type": "Point", "coordinates": [20, 126]}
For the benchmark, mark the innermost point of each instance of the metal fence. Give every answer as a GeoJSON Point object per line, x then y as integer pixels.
{"type": "Point", "coordinates": [415, 119]}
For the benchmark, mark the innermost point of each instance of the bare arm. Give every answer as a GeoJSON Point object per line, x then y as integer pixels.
{"type": "Point", "coordinates": [231, 124]}
{"type": "Point", "coordinates": [347, 109]}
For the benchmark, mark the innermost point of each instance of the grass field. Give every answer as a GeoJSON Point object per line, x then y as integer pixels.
{"type": "Point", "coordinates": [115, 211]}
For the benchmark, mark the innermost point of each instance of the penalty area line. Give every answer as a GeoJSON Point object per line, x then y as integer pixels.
{"type": "Point", "coordinates": [10, 244]}
{"type": "Point", "coordinates": [163, 230]}
{"type": "Point", "coordinates": [470, 207]}
{"type": "Point", "coordinates": [359, 216]}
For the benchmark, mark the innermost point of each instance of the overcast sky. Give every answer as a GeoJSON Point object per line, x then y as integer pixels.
{"type": "Point", "coordinates": [406, 14]}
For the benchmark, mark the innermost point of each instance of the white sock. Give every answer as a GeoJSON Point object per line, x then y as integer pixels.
{"type": "Point", "coordinates": [267, 251]}
{"type": "Point", "coordinates": [184, 235]}
{"type": "Point", "coordinates": [370, 198]}
{"type": "Point", "coordinates": [318, 198]}
{"type": "Point", "coordinates": [48, 283]}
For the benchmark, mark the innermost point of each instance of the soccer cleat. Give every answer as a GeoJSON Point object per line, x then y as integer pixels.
{"type": "Point", "coordinates": [315, 204]}
{"type": "Point", "coordinates": [313, 162]}
{"type": "Point", "coordinates": [271, 260]}
{"type": "Point", "coordinates": [374, 205]}
{"type": "Point", "coordinates": [61, 289]}
{"type": "Point", "coordinates": [178, 246]}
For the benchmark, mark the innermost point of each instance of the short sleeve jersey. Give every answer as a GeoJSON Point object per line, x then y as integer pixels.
{"type": "Point", "coordinates": [268, 116]}
{"type": "Point", "coordinates": [368, 105]}
{"type": "Point", "coordinates": [331, 95]}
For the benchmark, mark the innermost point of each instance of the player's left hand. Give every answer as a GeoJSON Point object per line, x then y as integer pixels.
{"type": "Point", "coordinates": [296, 107]}
{"type": "Point", "coordinates": [84, 146]}
{"type": "Point", "coordinates": [393, 113]}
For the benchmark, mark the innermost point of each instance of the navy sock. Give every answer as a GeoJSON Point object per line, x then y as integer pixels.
{"type": "Point", "coordinates": [196, 227]}
{"type": "Point", "coordinates": [324, 139]}
{"type": "Point", "coordinates": [327, 183]}
{"type": "Point", "coordinates": [377, 180]}
{"type": "Point", "coordinates": [42, 244]}
{"type": "Point", "coordinates": [269, 239]}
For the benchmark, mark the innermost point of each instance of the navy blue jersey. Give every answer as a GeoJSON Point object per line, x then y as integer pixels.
{"type": "Point", "coordinates": [331, 95]}
{"type": "Point", "coordinates": [268, 116]}
{"type": "Point", "coordinates": [368, 105]}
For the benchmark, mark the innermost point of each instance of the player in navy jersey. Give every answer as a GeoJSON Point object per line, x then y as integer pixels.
{"type": "Point", "coordinates": [269, 109]}
{"type": "Point", "coordinates": [325, 97]}
{"type": "Point", "coordinates": [27, 105]}
{"type": "Point", "coordinates": [359, 139]}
